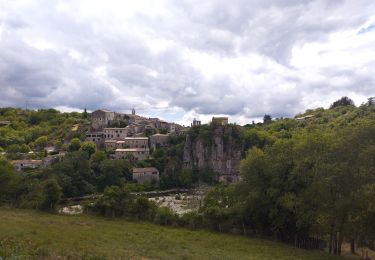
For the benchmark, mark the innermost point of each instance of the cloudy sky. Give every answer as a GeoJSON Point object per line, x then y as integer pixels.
{"type": "Point", "coordinates": [184, 59]}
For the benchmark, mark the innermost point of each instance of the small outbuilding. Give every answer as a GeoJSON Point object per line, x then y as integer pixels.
{"type": "Point", "coordinates": [142, 175]}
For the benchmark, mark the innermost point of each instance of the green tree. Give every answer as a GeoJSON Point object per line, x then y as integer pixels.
{"type": "Point", "coordinates": [113, 172]}
{"type": "Point", "coordinates": [75, 144]}
{"type": "Point", "coordinates": [84, 114]}
{"type": "Point", "coordinates": [88, 147]}
{"type": "Point", "coordinates": [9, 182]}
{"type": "Point", "coordinates": [51, 195]}
{"type": "Point", "coordinates": [185, 178]}
{"type": "Point", "coordinates": [41, 142]}
{"type": "Point", "coordinates": [267, 119]}
{"type": "Point", "coordinates": [143, 209]}
{"type": "Point", "coordinates": [344, 101]}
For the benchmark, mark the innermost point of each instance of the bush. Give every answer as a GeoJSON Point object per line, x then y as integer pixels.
{"type": "Point", "coordinates": [144, 209]}
{"type": "Point", "coordinates": [192, 220]}
{"type": "Point", "coordinates": [165, 216]}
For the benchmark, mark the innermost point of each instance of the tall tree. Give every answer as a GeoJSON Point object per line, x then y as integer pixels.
{"type": "Point", "coordinates": [51, 195]}
{"type": "Point", "coordinates": [267, 119]}
{"type": "Point", "coordinates": [344, 101]}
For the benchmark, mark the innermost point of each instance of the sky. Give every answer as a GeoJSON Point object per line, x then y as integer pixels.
{"type": "Point", "coordinates": [180, 60]}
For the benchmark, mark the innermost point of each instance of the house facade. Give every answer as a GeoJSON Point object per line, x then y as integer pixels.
{"type": "Point", "coordinates": [159, 140]}
{"type": "Point", "coordinates": [138, 154]}
{"type": "Point", "coordinates": [134, 142]}
{"type": "Point", "coordinates": [20, 165]}
{"type": "Point", "coordinates": [142, 175]}
{"type": "Point", "coordinates": [96, 137]}
{"type": "Point", "coordinates": [220, 120]}
{"type": "Point", "coordinates": [101, 119]}
{"type": "Point", "coordinates": [115, 133]}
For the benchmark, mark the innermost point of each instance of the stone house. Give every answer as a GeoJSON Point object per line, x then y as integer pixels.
{"type": "Point", "coordinates": [115, 133]}
{"type": "Point", "coordinates": [128, 142]}
{"type": "Point", "coordinates": [142, 175]}
{"type": "Point", "coordinates": [139, 154]}
{"type": "Point", "coordinates": [27, 164]}
{"type": "Point", "coordinates": [134, 142]}
{"type": "Point", "coordinates": [52, 159]}
{"type": "Point", "coordinates": [110, 144]}
{"type": "Point", "coordinates": [101, 118]}
{"type": "Point", "coordinates": [96, 137]}
{"type": "Point", "coordinates": [159, 140]}
{"type": "Point", "coordinates": [220, 120]}
{"type": "Point", "coordinates": [135, 128]}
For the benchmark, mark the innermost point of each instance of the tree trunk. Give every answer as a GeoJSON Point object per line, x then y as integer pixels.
{"type": "Point", "coordinates": [340, 238]}
{"type": "Point", "coordinates": [352, 246]}
{"type": "Point", "coordinates": [330, 242]}
{"type": "Point", "coordinates": [334, 242]}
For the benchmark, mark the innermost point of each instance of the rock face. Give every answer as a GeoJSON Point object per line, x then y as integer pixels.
{"type": "Point", "coordinates": [218, 148]}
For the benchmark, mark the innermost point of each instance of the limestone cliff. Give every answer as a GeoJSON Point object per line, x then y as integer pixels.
{"type": "Point", "coordinates": [216, 147]}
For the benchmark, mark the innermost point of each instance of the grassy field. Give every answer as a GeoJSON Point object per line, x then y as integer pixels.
{"type": "Point", "coordinates": [32, 235]}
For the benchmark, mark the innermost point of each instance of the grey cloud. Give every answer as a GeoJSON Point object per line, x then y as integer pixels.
{"type": "Point", "coordinates": [133, 74]}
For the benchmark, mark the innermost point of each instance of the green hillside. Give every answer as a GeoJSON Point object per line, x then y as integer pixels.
{"type": "Point", "coordinates": [35, 235]}
{"type": "Point", "coordinates": [24, 130]}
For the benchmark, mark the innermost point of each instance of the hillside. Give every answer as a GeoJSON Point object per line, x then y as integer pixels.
{"type": "Point", "coordinates": [22, 130]}
{"type": "Point", "coordinates": [36, 235]}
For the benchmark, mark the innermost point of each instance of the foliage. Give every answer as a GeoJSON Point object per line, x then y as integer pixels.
{"type": "Point", "coordinates": [267, 119]}
{"type": "Point", "coordinates": [51, 195]}
{"type": "Point", "coordinates": [309, 185]}
{"type": "Point", "coordinates": [344, 101]}
{"type": "Point", "coordinates": [88, 147]}
{"type": "Point", "coordinates": [75, 145]}
{"type": "Point", "coordinates": [38, 128]}
{"type": "Point", "coordinates": [118, 202]}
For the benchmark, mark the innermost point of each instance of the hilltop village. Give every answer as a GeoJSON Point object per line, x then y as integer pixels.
{"type": "Point", "coordinates": [134, 137]}
{"type": "Point", "coordinates": [129, 134]}
{"type": "Point", "coordinates": [140, 140]}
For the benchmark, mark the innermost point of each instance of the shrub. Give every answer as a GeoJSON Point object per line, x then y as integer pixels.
{"type": "Point", "coordinates": [165, 216]}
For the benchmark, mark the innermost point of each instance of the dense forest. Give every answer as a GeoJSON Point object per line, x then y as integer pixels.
{"type": "Point", "coordinates": [312, 176]}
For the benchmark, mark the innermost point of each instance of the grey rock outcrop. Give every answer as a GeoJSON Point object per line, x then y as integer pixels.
{"type": "Point", "coordinates": [220, 150]}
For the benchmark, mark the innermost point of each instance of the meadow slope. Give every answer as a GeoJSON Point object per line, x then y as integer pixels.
{"type": "Point", "coordinates": [31, 234]}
